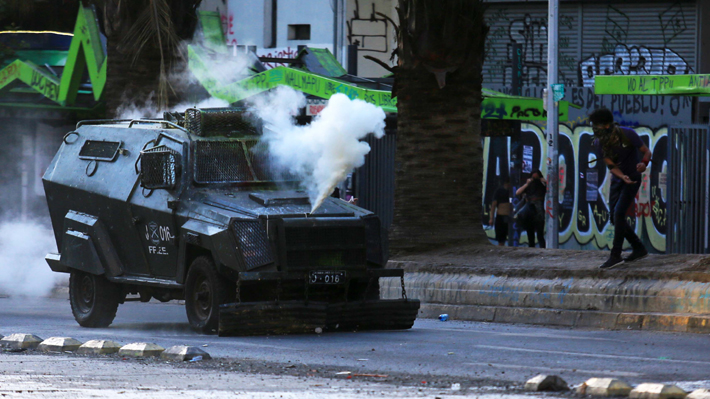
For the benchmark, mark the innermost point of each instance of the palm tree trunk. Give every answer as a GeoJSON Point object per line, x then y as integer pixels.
{"type": "Point", "coordinates": [439, 160]}
{"type": "Point", "coordinates": [130, 85]}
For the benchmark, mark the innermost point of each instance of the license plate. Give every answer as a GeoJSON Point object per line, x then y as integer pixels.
{"type": "Point", "coordinates": [327, 277]}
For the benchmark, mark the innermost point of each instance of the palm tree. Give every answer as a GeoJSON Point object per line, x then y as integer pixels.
{"type": "Point", "coordinates": [143, 48]}
{"type": "Point", "coordinates": [439, 159]}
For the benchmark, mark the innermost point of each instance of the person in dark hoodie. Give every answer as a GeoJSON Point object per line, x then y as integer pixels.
{"type": "Point", "coordinates": [535, 189]}
{"type": "Point", "coordinates": [619, 148]}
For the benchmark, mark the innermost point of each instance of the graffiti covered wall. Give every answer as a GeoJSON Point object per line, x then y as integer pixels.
{"type": "Point", "coordinates": [584, 185]}
{"type": "Point", "coordinates": [603, 38]}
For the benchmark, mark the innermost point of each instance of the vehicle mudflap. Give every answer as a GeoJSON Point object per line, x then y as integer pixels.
{"type": "Point", "coordinates": [54, 260]}
{"type": "Point", "coordinates": [293, 317]}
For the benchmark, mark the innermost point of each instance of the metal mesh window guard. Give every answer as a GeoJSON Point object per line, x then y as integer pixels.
{"type": "Point", "coordinates": [253, 243]}
{"type": "Point", "coordinates": [221, 162]}
{"type": "Point", "coordinates": [219, 122]}
{"type": "Point", "coordinates": [160, 167]}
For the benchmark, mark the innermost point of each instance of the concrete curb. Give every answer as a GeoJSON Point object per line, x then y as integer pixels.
{"type": "Point", "coordinates": [21, 341]}
{"type": "Point", "coordinates": [141, 349]}
{"type": "Point", "coordinates": [184, 353]}
{"type": "Point", "coordinates": [59, 344]}
{"type": "Point", "coordinates": [571, 318]}
{"type": "Point", "coordinates": [98, 347]}
{"type": "Point", "coordinates": [680, 306]}
{"type": "Point", "coordinates": [657, 391]}
{"type": "Point", "coordinates": [604, 387]}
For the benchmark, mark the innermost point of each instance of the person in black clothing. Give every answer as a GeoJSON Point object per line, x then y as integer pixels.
{"type": "Point", "coordinates": [535, 189]}
{"type": "Point", "coordinates": [501, 210]}
{"type": "Point", "coordinates": [620, 147]}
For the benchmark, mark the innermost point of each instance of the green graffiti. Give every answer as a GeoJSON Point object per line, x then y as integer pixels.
{"type": "Point", "coordinates": [85, 53]}
{"type": "Point", "coordinates": [583, 222]}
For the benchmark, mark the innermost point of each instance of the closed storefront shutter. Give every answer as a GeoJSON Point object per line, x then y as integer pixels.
{"type": "Point", "coordinates": [595, 38]}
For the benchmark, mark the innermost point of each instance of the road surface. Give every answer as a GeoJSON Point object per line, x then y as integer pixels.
{"type": "Point", "coordinates": [432, 356]}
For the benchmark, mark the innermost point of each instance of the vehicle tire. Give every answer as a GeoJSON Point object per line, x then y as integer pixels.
{"type": "Point", "coordinates": [205, 290]}
{"type": "Point", "coordinates": [94, 300]}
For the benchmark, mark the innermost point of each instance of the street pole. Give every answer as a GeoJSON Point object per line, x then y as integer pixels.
{"type": "Point", "coordinates": [552, 203]}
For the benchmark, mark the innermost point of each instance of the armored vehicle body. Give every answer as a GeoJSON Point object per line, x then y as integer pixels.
{"type": "Point", "coordinates": [190, 207]}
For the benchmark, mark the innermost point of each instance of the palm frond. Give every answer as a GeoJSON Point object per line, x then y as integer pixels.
{"type": "Point", "coordinates": [154, 29]}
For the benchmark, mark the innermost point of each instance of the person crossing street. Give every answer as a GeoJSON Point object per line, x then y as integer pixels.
{"type": "Point", "coordinates": [619, 148]}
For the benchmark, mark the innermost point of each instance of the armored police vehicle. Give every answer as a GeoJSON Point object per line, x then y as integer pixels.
{"type": "Point", "coordinates": [189, 207]}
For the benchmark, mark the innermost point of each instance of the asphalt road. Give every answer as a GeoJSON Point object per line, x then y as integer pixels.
{"type": "Point", "coordinates": [472, 354]}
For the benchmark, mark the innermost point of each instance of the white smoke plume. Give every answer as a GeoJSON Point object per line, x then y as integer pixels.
{"type": "Point", "coordinates": [150, 110]}
{"type": "Point", "coordinates": [325, 151]}
{"type": "Point", "coordinates": [23, 270]}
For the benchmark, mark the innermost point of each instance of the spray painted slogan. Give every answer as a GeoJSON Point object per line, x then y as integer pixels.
{"type": "Point", "coordinates": [584, 185]}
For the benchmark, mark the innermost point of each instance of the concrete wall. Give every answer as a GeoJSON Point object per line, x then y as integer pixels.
{"type": "Point", "coordinates": [584, 213]}
{"type": "Point", "coordinates": [372, 33]}
{"type": "Point", "coordinates": [248, 23]}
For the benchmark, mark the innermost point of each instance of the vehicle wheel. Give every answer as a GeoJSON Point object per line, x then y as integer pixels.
{"type": "Point", "coordinates": [94, 299]}
{"type": "Point", "coordinates": [205, 290]}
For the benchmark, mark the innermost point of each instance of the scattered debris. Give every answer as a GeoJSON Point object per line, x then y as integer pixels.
{"type": "Point", "coordinates": [185, 353]}
{"type": "Point", "coordinates": [456, 386]}
{"type": "Point", "coordinates": [343, 373]}
{"type": "Point", "coordinates": [443, 317]}
{"type": "Point", "coordinates": [371, 375]}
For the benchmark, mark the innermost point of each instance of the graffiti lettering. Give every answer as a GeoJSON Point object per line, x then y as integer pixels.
{"type": "Point", "coordinates": [44, 85]}
{"type": "Point", "coordinates": [524, 113]}
{"type": "Point", "coordinates": [286, 52]}
{"type": "Point", "coordinates": [370, 33]}
{"type": "Point", "coordinates": [614, 54]}
{"type": "Point", "coordinates": [583, 215]}
{"type": "Point", "coordinates": [8, 73]}
{"type": "Point", "coordinates": [332, 88]}
{"type": "Point", "coordinates": [386, 100]}
{"type": "Point", "coordinates": [634, 60]}
{"type": "Point", "coordinates": [491, 110]}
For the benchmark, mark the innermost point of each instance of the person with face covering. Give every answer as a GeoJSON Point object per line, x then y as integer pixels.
{"type": "Point", "coordinates": [619, 148]}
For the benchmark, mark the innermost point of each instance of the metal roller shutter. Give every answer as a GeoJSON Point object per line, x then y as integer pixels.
{"type": "Point", "coordinates": [621, 38]}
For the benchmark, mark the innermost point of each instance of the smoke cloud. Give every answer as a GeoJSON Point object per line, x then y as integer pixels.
{"type": "Point", "coordinates": [322, 153]}
{"type": "Point", "coordinates": [23, 270]}
{"type": "Point", "coordinates": [150, 110]}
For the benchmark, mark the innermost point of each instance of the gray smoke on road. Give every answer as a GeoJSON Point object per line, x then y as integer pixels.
{"type": "Point", "coordinates": [323, 152]}
{"type": "Point", "coordinates": [23, 270]}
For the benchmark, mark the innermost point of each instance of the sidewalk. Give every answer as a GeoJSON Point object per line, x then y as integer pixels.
{"type": "Point", "coordinates": [558, 287]}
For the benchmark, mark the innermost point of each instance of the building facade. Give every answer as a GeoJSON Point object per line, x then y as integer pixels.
{"type": "Point", "coordinates": [598, 38]}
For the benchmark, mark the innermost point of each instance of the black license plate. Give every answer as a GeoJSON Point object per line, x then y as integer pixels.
{"type": "Point", "coordinates": [326, 277]}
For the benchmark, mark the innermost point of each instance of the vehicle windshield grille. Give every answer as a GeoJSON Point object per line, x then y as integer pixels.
{"type": "Point", "coordinates": [234, 161]}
